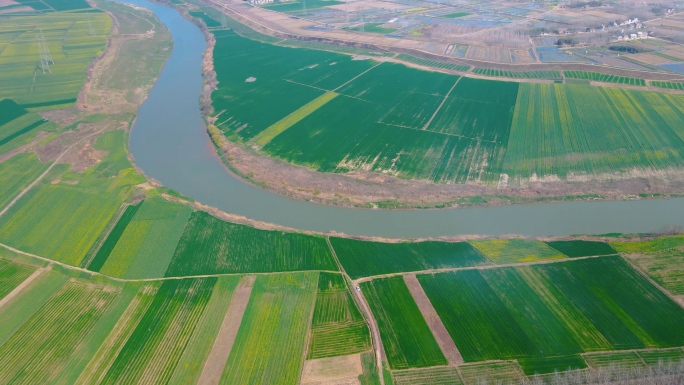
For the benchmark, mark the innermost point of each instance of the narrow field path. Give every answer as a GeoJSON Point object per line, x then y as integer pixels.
{"type": "Point", "coordinates": [356, 77]}
{"type": "Point", "coordinates": [435, 323]}
{"type": "Point", "coordinates": [223, 344]}
{"type": "Point", "coordinates": [365, 309]}
{"type": "Point", "coordinates": [441, 104]}
{"type": "Point", "coordinates": [84, 270]}
{"type": "Point", "coordinates": [17, 290]}
{"type": "Point", "coordinates": [482, 267]}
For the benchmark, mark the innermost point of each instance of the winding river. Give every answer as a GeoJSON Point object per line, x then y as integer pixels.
{"type": "Point", "coordinates": [170, 144]}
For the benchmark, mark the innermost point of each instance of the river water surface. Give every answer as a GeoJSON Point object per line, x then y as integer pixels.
{"type": "Point", "coordinates": [170, 144]}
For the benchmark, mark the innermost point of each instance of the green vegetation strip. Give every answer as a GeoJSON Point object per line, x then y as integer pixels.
{"type": "Point", "coordinates": [113, 237]}
{"type": "Point", "coordinates": [518, 74]}
{"type": "Point", "coordinates": [276, 129]}
{"type": "Point", "coordinates": [668, 85]}
{"type": "Point", "coordinates": [604, 78]}
{"type": "Point", "coordinates": [432, 63]}
{"type": "Point", "coordinates": [406, 337]}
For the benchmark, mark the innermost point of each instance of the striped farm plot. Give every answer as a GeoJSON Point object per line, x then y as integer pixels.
{"type": "Point", "coordinates": [270, 345]}
{"type": "Point", "coordinates": [578, 306]}
{"type": "Point", "coordinates": [406, 337]}
{"type": "Point", "coordinates": [155, 345]}
{"type": "Point", "coordinates": [41, 346]}
{"type": "Point", "coordinates": [337, 327]}
{"type": "Point", "coordinates": [553, 135]}
{"type": "Point", "coordinates": [147, 241]}
{"type": "Point", "coordinates": [12, 275]}
{"type": "Point", "coordinates": [184, 315]}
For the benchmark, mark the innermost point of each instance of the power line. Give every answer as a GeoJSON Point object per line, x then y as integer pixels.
{"type": "Point", "coordinates": [44, 53]}
{"type": "Point", "coordinates": [45, 48]}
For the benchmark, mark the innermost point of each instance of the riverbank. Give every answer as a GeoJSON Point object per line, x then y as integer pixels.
{"type": "Point", "coordinates": [365, 189]}
{"type": "Point", "coordinates": [170, 144]}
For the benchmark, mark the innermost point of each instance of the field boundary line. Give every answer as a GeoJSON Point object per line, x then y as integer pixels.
{"type": "Point", "coordinates": [359, 299]}
{"type": "Point", "coordinates": [481, 267]}
{"type": "Point", "coordinates": [438, 132]}
{"type": "Point", "coordinates": [323, 89]}
{"type": "Point", "coordinates": [17, 290]}
{"type": "Point", "coordinates": [356, 77]}
{"type": "Point", "coordinates": [441, 104]}
{"type": "Point", "coordinates": [216, 362]}
{"type": "Point", "coordinates": [41, 176]}
{"type": "Point", "coordinates": [435, 324]}
{"type": "Point", "coordinates": [71, 267]}
{"type": "Point", "coordinates": [310, 328]}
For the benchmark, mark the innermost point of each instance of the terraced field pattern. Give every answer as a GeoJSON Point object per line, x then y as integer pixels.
{"type": "Point", "coordinates": [337, 113]}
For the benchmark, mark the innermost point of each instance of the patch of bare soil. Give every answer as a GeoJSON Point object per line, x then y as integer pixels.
{"type": "Point", "coordinates": [435, 324]}
{"type": "Point", "coordinates": [343, 370]}
{"type": "Point", "coordinates": [216, 362]}
{"type": "Point", "coordinates": [83, 157]}
{"type": "Point", "coordinates": [680, 300]}
{"type": "Point", "coordinates": [62, 117]}
{"type": "Point", "coordinates": [54, 148]}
